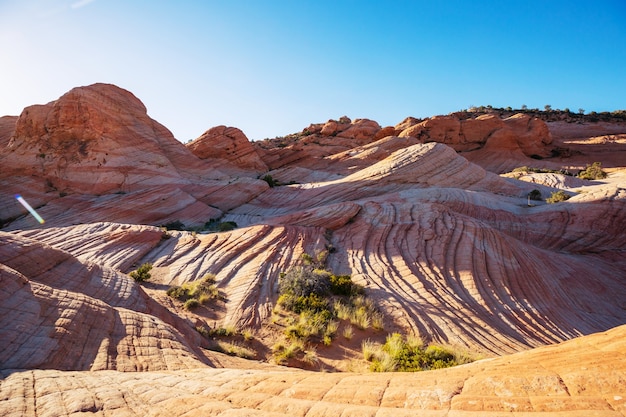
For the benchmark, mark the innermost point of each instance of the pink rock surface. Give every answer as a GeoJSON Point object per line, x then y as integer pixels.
{"type": "Point", "coordinates": [446, 248]}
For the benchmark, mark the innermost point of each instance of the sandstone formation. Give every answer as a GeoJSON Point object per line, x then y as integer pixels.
{"type": "Point", "coordinates": [425, 231]}
{"type": "Point", "coordinates": [417, 213]}
{"type": "Point", "coordinates": [98, 145]}
{"type": "Point", "coordinates": [74, 315]}
{"type": "Point", "coordinates": [518, 132]}
{"type": "Point", "coordinates": [230, 144]}
{"type": "Point", "coordinates": [578, 378]}
{"type": "Point", "coordinates": [318, 141]}
{"type": "Point", "coordinates": [7, 127]}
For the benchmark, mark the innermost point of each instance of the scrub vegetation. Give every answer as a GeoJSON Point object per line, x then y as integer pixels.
{"type": "Point", "coordinates": [409, 354]}
{"type": "Point", "coordinates": [196, 293]}
{"type": "Point", "coordinates": [313, 303]}
{"type": "Point", "coordinates": [142, 273]}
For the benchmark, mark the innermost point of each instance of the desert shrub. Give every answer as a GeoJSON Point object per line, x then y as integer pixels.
{"type": "Point", "coordinates": [310, 356]}
{"type": "Point", "coordinates": [592, 172]}
{"type": "Point", "coordinates": [408, 355]}
{"type": "Point", "coordinates": [343, 285]}
{"type": "Point", "coordinates": [526, 169]}
{"type": "Point", "coordinates": [223, 331]}
{"type": "Point", "coordinates": [226, 226]}
{"type": "Point", "coordinates": [331, 329]}
{"type": "Point", "coordinates": [386, 363]}
{"type": "Point", "coordinates": [557, 197]}
{"type": "Point", "coordinates": [204, 332]}
{"type": "Point", "coordinates": [175, 225]}
{"type": "Point", "coordinates": [282, 353]}
{"type": "Point", "coordinates": [521, 169]}
{"type": "Point", "coordinates": [247, 334]}
{"type": "Point", "coordinates": [177, 292]}
{"type": "Point", "coordinates": [142, 273]}
{"type": "Point", "coordinates": [535, 195]}
{"type": "Point", "coordinates": [303, 281]}
{"type": "Point", "coordinates": [378, 321]}
{"type": "Point", "coordinates": [307, 259]}
{"type": "Point", "coordinates": [370, 350]}
{"type": "Point", "coordinates": [348, 332]}
{"type": "Point", "coordinates": [203, 290]}
{"type": "Point", "coordinates": [435, 353]}
{"type": "Point", "coordinates": [191, 304]}
{"type": "Point", "coordinates": [361, 318]}
{"type": "Point", "coordinates": [270, 181]}
{"type": "Point", "coordinates": [235, 349]}
{"type": "Point", "coordinates": [342, 310]}
{"type": "Point", "coordinates": [320, 298]}
{"type": "Point", "coordinates": [302, 303]}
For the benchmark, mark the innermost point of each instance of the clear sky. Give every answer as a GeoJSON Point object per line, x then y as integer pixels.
{"type": "Point", "coordinates": [273, 67]}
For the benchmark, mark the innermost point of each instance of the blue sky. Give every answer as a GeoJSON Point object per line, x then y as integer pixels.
{"type": "Point", "coordinates": [273, 67]}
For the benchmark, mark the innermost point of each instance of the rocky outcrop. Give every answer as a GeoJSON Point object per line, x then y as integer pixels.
{"type": "Point", "coordinates": [94, 140]}
{"type": "Point", "coordinates": [95, 153]}
{"type": "Point", "coordinates": [518, 132]}
{"type": "Point", "coordinates": [7, 128]}
{"type": "Point", "coordinates": [359, 130]}
{"type": "Point", "coordinates": [230, 144]}
{"type": "Point", "coordinates": [309, 148]}
{"type": "Point", "coordinates": [60, 313]}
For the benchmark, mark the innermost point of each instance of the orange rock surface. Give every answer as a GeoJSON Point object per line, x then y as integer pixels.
{"type": "Point", "coordinates": [228, 143]}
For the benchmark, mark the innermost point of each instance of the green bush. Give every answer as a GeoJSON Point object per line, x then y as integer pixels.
{"type": "Point", "coordinates": [535, 195]}
{"type": "Point", "coordinates": [343, 285]}
{"type": "Point", "coordinates": [202, 290]}
{"type": "Point", "coordinates": [407, 355]}
{"type": "Point", "coordinates": [191, 304]}
{"type": "Point", "coordinates": [175, 225]}
{"type": "Point", "coordinates": [270, 181]}
{"type": "Point", "coordinates": [557, 197]}
{"type": "Point", "coordinates": [526, 169]}
{"type": "Point", "coordinates": [321, 299]}
{"type": "Point", "coordinates": [302, 281]}
{"type": "Point", "coordinates": [142, 273]}
{"type": "Point", "coordinates": [592, 172]}
{"type": "Point", "coordinates": [226, 226]}
{"type": "Point", "coordinates": [301, 303]}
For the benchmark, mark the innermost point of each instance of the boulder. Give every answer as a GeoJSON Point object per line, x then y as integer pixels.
{"type": "Point", "coordinates": [228, 143]}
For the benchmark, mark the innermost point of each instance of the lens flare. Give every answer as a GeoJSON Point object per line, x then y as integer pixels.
{"type": "Point", "coordinates": [29, 208]}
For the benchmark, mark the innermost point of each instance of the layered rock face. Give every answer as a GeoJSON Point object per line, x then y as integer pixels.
{"type": "Point", "coordinates": [94, 140]}
{"type": "Point", "coordinates": [447, 250]}
{"type": "Point", "coordinates": [520, 135]}
{"type": "Point", "coordinates": [98, 141]}
{"type": "Point", "coordinates": [519, 132]}
{"type": "Point", "coordinates": [71, 315]}
{"type": "Point", "coordinates": [230, 144]}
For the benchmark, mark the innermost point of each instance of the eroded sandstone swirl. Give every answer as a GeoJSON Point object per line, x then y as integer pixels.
{"type": "Point", "coordinates": [446, 248]}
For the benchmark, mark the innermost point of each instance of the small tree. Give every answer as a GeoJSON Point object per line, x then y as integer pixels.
{"type": "Point", "coordinates": [142, 273]}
